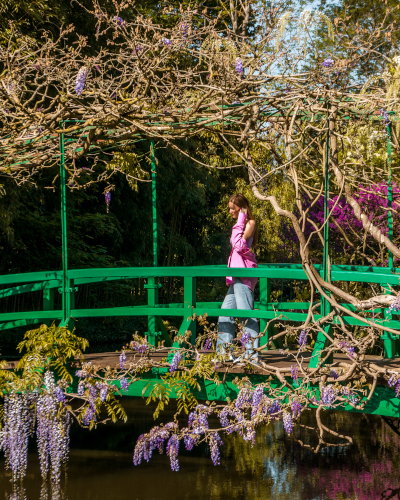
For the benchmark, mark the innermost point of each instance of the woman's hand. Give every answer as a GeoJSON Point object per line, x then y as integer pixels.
{"type": "Point", "coordinates": [243, 211]}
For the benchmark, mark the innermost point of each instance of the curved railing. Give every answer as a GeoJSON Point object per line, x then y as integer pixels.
{"type": "Point", "coordinates": [50, 281]}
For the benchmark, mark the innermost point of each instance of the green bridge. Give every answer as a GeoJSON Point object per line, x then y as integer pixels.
{"type": "Point", "coordinates": [67, 281]}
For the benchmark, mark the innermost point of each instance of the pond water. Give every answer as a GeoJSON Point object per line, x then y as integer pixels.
{"type": "Point", "coordinates": [277, 467]}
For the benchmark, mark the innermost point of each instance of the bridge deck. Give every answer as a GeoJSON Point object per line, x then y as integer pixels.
{"type": "Point", "coordinates": [271, 357]}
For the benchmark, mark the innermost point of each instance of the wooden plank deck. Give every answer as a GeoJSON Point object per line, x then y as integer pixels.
{"type": "Point", "coordinates": [272, 357]}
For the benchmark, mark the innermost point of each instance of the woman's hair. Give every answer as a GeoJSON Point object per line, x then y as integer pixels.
{"type": "Point", "coordinates": [241, 201]}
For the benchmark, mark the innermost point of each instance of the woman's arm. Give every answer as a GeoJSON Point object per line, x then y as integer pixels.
{"type": "Point", "coordinates": [250, 229]}
{"type": "Point", "coordinates": [242, 232]}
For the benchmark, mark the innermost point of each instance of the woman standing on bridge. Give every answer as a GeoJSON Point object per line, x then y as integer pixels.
{"type": "Point", "coordinates": [241, 290]}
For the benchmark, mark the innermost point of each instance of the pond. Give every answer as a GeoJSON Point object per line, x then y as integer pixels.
{"type": "Point", "coordinates": [277, 467]}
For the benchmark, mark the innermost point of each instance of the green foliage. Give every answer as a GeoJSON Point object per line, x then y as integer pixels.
{"type": "Point", "coordinates": [49, 348]}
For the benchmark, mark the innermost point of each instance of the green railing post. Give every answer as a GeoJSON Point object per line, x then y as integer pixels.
{"type": "Point", "coordinates": [391, 343]}
{"type": "Point", "coordinates": [390, 220]}
{"type": "Point", "coordinates": [154, 202]}
{"type": "Point", "coordinates": [189, 299]}
{"type": "Point", "coordinates": [152, 285]}
{"type": "Point", "coordinates": [265, 298]}
{"type": "Point", "coordinates": [48, 301]}
{"type": "Point", "coordinates": [66, 289]}
{"type": "Point", "coordinates": [321, 340]}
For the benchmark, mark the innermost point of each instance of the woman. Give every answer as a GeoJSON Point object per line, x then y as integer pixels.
{"type": "Point", "coordinates": [241, 290]}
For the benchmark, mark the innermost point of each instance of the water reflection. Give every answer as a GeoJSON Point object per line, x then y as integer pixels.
{"type": "Point", "coordinates": [275, 468]}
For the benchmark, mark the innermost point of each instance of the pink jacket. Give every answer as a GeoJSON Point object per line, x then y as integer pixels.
{"type": "Point", "coordinates": [241, 256]}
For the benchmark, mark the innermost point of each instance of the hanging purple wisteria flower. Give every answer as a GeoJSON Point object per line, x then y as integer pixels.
{"type": "Point", "coordinates": [184, 28]}
{"type": "Point", "coordinates": [207, 345]}
{"type": "Point", "coordinates": [395, 305]}
{"type": "Point", "coordinates": [303, 337]}
{"type": "Point", "coordinates": [334, 374]}
{"type": "Point", "coordinates": [52, 431]}
{"type": "Point", "coordinates": [328, 395]}
{"type": "Point", "coordinates": [142, 348]}
{"type": "Point", "coordinates": [215, 443]}
{"type": "Point", "coordinates": [119, 21]}
{"type": "Point", "coordinates": [287, 422]}
{"type": "Point", "coordinates": [124, 384]}
{"type": "Point", "coordinates": [328, 63]}
{"type": "Point", "coordinates": [385, 116]}
{"type": "Point", "coordinates": [15, 433]}
{"type": "Point", "coordinates": [296, 408]}
{"type": "Point", "coordinates": [246, 337]}
{"type": "Point", "coordinates": [175, 361]}
{"type": "Point", "coordinates": [172, 451]}
{"type": "Point", "coordinates": [295, 372]}
{"type": "Point", "coordinates": [122, 360]}
{"type": "Point", "coordinates": [239, 65]}
{"type": "Point", "coordinates": [107, 198]}
{"type": "Point", "coordinates": [81, 80]}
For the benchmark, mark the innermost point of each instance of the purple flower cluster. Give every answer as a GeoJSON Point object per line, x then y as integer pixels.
{"type": "Point", "coordinates": [225, 422]}
{"type": "Point", "coordinates": [328, 395]}
{"type": "Point", "coordinates": [15, 433]}
{"type": "Point", "coordinates": [328, 63]}
{"type": "Point", "coordinates": [198, 419]}
{"type": "Point", "coordinates": [59, 394]}
{"type": "Point", "coordinates": [275, 407]}
{"type": "Point", "coordinates": [147, 443]}
{"type": "Point", "coordinates": [142, 348]}
{"type": "Point", "coordinates": [166, 41]}
{"type": "Point", "coordinates": [296, 408]}
{"type": "Point", "coordinates": [184, 28]}
{"type": "Point", "coordinates": [81, 388]}
{"type": "Point", "coordinates": [334, 374]}
{"type": "Point", "coordinates": [246, 337]}
{"type": "Point", "coordinates": [107, 198]}
{"type": "Point", "coordinates": [124, 384]}
{"type": "Point", "coordinates": [239, 65]}
{"type": "Point", "coordinates": [122, 360]}
{"type": "Point", "coordinates": [175, 361]}
{"type": "Point", "coordinates": [287, 422]}
{"type": "Point", "coordinates": [395, 381]}
{"type": "Point", "coordinates": [52, 431]}
{"type": "Point", "coordinates": [385, 116]}
{"type": "Point", "coordinates": [395, 305]}
{"type": "Point", "coordinates": [215, 443]}
{"type": "Point", "coordinates": [172, 452]}
{"type": "Point", "coordinates": [344, 345]}
{"type": "Point", "coordinates": [257, 395]}
{"type": "Point", "coordinates": [207, 345]}
{"type": "Point", "coordinates": [243, 397]}
{"type": "Point", "coordinates": [119, 21]}
{"type": "Point", "coordinates": [295, 372]}
{"type": "Point", "coordinates": [81, 80]}
{"type": "Point", "coordinates": [103, 390]}
{"type": "Point", "coordinates": [303, 337]}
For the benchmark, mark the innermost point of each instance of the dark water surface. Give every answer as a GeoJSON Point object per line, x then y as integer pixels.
{"type": "Point", "coordinates": [278, 468]}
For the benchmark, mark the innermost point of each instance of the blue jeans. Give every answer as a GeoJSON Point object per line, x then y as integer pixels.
{"type": "Point", "coordinates": [239, 296]}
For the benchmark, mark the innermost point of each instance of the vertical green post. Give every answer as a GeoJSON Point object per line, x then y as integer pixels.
{"type": "Point", "coordinates": [320, 341]}
{"type": "Point", "coordinates": [390, 220]}
{"type": "Point", "coordinates": [391, 343]}
{"type": "Point", "coordinates": [154, 202]}
{"type": "Point", "coordinates": [48, 302]}
{"type": "Point", "coordinates": [265, 297]}
{"type": "Point", "coordinates": [152, 286]}
{"type": "Point", "coordinates": [189, 298]}
{"type": "Point", "coordinates": [66, 304]}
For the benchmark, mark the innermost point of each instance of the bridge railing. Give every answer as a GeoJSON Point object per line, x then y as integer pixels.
{"type": "Point", "coordinates": [51, 282]}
